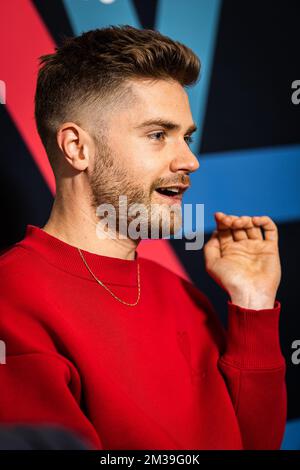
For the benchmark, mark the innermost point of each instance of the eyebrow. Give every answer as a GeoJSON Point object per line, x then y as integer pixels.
{"type": "Point", "coordinates": [168, 125]}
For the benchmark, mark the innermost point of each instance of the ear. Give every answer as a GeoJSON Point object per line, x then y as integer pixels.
{"type": "Point", "coordinates": [76, 145]}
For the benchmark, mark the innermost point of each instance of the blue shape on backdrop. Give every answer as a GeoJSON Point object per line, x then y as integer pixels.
{"type": "Point", "coordinates": [91, 14]}
{"type": "Point", "coordinates": [195, 25]}
{"type": "Point", "coordinates": [291, 440]}
{"type": "Point", "coordinates": [262, 181]}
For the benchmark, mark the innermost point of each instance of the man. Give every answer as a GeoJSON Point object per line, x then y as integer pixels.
{"type": "Point", "coordinates": [106, 343]}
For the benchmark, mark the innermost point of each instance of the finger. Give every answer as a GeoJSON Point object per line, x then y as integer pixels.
{"type": "Point", "coordinates": [246, 229]}
{"type": "Point", "coordinates": [255, 233]}
{"type": "Point", "coordinates": [212, 249]}
{"type": "Point", "coordinates": [224, 232]}
{"type": "Point", "coordinates": [243, 228]}
{"type": "Point", "coordinates": [238, 227]}
{"type": "Point", "coordinates": [223, 220]}
{"type": "Point", "coordinates": [268, 227]}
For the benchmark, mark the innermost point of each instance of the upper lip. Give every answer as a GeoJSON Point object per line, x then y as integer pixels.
{"type": "Point", "coordinates": [181, 187]}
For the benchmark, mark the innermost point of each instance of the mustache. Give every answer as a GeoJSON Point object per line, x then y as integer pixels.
{"type": "Point", "coordinates": [183, 179]}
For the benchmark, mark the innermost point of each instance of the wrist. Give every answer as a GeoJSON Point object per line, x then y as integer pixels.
{"type": "Point", "coordinates": [253, 300]}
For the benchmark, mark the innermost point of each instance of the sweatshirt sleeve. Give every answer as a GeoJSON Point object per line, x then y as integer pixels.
{"type": "Point", "coordinates": [38, 385]}
{"type": "Point", "coordinates": [254, 370]}
{"type": "Point", "coordinates": [44, 388]}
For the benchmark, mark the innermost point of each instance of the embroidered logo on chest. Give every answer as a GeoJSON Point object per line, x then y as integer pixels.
{"type": "Point", "coordinates": [185, 346]}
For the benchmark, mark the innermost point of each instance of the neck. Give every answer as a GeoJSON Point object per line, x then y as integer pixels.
{"type": "Point", "coordinates": [77, 227]}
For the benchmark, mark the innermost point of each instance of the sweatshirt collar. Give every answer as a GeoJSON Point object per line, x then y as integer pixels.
{"type": "Point", "coordinates": [67, 258]}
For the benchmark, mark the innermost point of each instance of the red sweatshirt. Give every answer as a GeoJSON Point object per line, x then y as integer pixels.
{"type": "Point", "coordinates": [160, 375]}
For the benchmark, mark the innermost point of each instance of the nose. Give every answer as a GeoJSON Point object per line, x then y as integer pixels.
{"type": "Point", "coordinates": [184, 159]}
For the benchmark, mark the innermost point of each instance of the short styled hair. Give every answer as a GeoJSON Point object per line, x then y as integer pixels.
{"type": "Point", "coordinates": [94, 68]}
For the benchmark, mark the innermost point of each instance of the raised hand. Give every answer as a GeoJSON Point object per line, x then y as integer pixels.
{"type": "Point", "coordinates": [242, 256]}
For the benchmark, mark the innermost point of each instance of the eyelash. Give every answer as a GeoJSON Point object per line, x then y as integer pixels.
{"type": "Point", "coordinates": [189, 141]}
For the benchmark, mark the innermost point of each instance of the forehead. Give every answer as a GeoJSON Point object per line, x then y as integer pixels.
{"type": "Point", "coordinates": [160, 98]}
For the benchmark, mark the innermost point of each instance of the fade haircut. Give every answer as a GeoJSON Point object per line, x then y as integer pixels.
{"type": "Point", "coordinates": [90, 72]}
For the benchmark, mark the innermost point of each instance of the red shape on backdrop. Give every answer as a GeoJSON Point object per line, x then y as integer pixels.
{"type": "Point", "coordinates": [162, 252]}
{"type": "Point", "coordinates": [18, 69]}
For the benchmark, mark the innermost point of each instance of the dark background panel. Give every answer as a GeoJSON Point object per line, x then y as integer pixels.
{"type": "Point", "coordinates": [24, 196]}
{"type": "Point", "coordinates": [256, 60]}
{"type": "Point", "coordinates": [54, 18]}
{"type": "Point", "coordinates": [146, 12]}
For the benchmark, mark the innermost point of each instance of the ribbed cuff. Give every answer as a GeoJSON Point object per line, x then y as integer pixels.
{"type": "Point", "coordinates": [253, 337]}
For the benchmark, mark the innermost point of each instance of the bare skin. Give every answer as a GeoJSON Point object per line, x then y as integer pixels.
{"type": "Point", "coordinates": [242, 255]}
{"type": "Point", "coordinates": [136, 160]}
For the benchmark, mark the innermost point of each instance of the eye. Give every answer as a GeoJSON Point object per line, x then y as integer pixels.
{"type": "Point", "coordinates": [189, 139]}
{"type": "Point", "coordinates": [155, 134]}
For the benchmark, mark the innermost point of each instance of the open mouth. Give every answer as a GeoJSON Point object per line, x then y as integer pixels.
{"type": "Point", "coordinates": [171, 193]}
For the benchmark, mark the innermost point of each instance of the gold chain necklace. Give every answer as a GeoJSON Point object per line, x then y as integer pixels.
{"type": "Point", "coordinates": [105, 287]}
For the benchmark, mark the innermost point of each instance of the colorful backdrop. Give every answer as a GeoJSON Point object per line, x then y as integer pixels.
{"type": "Point", "coordinates": [248, 141]}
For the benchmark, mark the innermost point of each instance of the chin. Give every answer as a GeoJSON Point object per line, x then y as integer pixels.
{"type": "Point", "coordinates": [165, 224]}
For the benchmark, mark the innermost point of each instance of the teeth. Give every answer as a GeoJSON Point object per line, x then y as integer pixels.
{"type": "Point", "coordinates": [174, 190]}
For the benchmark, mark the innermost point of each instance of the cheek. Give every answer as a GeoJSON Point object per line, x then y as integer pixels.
{"type": "Point", "coordinates": [143, 162]}
{"type": "Point", "coordinates": [142, 158]}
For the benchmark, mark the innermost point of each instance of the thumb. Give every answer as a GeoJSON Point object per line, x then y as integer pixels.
{"type": "Point", "coordinates": [212, 249]}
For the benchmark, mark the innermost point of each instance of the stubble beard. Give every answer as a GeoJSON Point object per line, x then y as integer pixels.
{"type": "Point", "coordinates": [109, 181]}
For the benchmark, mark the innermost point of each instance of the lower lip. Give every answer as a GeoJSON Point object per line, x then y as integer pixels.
{"type": "Point", "coordinates": [177, 198]}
